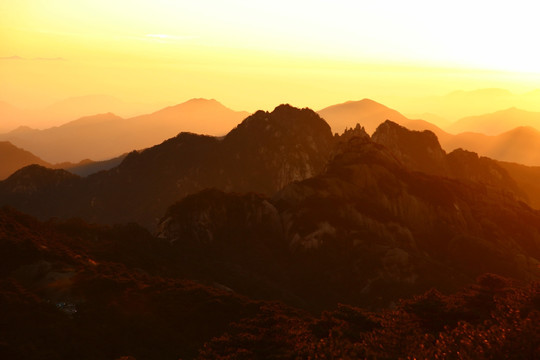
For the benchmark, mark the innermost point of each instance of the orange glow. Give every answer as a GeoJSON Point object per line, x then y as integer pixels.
{"type": "Point", "coordinates": [251, 55]}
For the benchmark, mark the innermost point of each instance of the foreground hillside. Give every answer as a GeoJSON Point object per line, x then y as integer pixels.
{"type": "Point", "coordinates": [76, 291]}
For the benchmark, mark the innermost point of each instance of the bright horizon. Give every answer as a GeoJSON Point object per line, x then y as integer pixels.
{"type": "Point", "coordinates": [252, 55]}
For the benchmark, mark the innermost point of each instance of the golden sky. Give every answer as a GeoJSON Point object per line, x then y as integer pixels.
{"type": "Point", "coordinates": [256, 54]}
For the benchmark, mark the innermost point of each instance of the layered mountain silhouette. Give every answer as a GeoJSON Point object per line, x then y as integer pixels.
{"type": "Point", "coordinates": [458, 104]}
{"type": "Point", "coordinates": [371, 219]}
{"type": "Point", "coordinates": [104, 136]}
{"type": "Point", "coordinates": [264, 153]}
{"type": "Point", "coordinates": [497, 122]}
{"type": "Point", "coordinates": [14, 158]}
{"type": "Point", "coordinates": [519, 144]}
{"type": "Point", "coordinates": [66, 110]}
{"type": "Point", "coordinates": [366, 228]}
{"type": "Point", "coordinates": [277, 210]}
{"type": "Point", "coordinates": [89, 167]}
{"type": "Point", "coordinates": [366, 112]}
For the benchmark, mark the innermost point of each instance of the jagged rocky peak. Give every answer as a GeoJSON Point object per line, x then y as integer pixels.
{"type": "Point", "coordinates": [284, 121]}
{"type": "Point", "coordinates": [212, 216]}
{"type": "Point", "coordinates": [417, 150]}
{"type": "Point", "coordinates": [292, 143]}
{"type": "Point", "coordinates": [357, 131]}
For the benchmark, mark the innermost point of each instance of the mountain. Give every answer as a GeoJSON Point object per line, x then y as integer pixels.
{"type": "Point", "coordinates": [67, 110]}
{"type": "Point", "coordinates": [75, 107]}
{"type": "Point", "coordinates": [199, 116]}
{"type": "Point", "coordinates": [268, 241]}
{"type": "Point", "coordinates": [519, 145]}
{"type": "Point", "coordinates": [88, 137]}
{"type": "Point", "coordinates": [388, 217]}
{"type": "Point", "coordinates": [526, 177]}
{"type": "Point", "coordinates": [366, 112]}
{"type": "Point", "coordinates": [14, 158]}
{"type": "Point", "coordinates": [104, 136]}
{"type": "Point", "coordinates": [458, 104]}
{"type": "Point", "coordinates": [88, 167]}
{"type": "Point", "coordinates": [264, 153]}
{"type": "Point", "coordinates": [365, 231]}
{"type": "Point", "coordinates": [421, 151]}
{"type": "Point", "coordinates": [497, 122]}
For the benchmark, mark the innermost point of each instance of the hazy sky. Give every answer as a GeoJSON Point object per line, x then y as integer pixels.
{"type": "Point", "coordinates": [256, 54]}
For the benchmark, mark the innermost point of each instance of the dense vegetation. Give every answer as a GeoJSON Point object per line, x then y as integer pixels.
{"type": "Point", "coordinates": [72, 290]}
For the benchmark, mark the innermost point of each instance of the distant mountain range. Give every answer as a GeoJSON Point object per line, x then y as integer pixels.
{"type": "Point", "coordinates": [104, 136]}
{"type": "Point", "coordinates": [366, 112]}
{"type": "Point", "coordinates": [66, 110]}
{"type": "Point", "coordinates": [458, 104]}
{"type": "Point", "coordinates": [497, 122]}
{"type": "Point", "coordinates": [519, 145]}
{"type": "Point", "coordinates": [14, 158]}
{"type": "Point", "coordinates": [263, 153]}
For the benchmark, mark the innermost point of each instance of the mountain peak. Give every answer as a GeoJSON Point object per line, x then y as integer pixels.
{"type": "Point", "coordinates": [284, 120]}
{"type": "Point", "coordinates": [418, 150]}
{"type": "Point", "coordinates": [202, 100]}
{"type": "Point", "coordinates": [366, 112]}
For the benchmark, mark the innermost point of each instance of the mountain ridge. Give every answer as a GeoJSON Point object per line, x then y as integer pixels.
{"type": "Point", "coordinates": [107, 135]}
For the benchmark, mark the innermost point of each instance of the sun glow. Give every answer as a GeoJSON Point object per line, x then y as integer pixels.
{"type": "Point", "coordinates": [252, 54]}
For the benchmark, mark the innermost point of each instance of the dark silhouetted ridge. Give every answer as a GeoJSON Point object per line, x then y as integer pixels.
{"type": "Point", "coordinates": [264, 153]}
